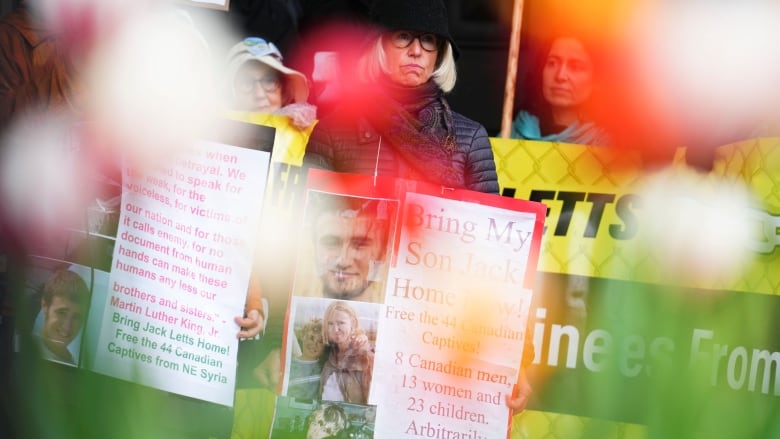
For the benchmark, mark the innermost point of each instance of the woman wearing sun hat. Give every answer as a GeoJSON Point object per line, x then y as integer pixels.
{"type": "Point", "coordinates": [258, 81]}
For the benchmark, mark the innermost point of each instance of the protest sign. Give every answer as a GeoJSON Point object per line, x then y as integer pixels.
{"type": "Point", "coordinates": [180, 271]}
{"type": "Point", "coordinates": [447, 340]}
{"type": "Point", "coordinates": [456, 305]}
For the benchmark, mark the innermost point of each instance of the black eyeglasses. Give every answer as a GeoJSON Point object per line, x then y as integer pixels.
{"type": "Point", "coordinates": [270, 84]}
{"type": "Point", "coordinates": [403, 38]}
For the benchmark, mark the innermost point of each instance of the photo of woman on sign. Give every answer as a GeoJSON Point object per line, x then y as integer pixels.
{"type": "Point", "coordinates": [346, 375]}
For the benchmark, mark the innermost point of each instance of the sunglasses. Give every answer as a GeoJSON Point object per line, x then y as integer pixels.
{"type": "Point", "coordinates": [403, 38]}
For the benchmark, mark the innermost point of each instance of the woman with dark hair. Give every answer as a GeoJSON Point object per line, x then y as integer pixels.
{"type": "Point", "coordinates": [562, 103]}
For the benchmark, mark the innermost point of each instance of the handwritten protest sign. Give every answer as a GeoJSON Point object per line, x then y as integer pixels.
{"type": "Point", "coordinates": [180, 271]}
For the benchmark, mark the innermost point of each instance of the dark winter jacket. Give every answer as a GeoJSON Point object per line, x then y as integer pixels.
{"type": "Point", "coordinates": [354, 147]}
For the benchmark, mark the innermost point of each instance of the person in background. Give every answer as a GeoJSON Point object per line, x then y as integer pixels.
{"type": "Point", "coordinates": [64, 304]}
{"type": "Point", "coordinates": [259, 82]}
{"type": "Point", "coordinates": [346, 375]}
{"type": "Point", "coordinates": [561, 107]}
{"type": "Point", "coordinates": [394, 119]}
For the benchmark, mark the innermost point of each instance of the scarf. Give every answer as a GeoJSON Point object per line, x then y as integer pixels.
{"type": "Point", "coordinates": [526, 126]}
{"type": "Point", "coordinates": [417, 123]}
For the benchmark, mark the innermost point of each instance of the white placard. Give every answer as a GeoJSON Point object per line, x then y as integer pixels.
{"type": "Point", "coordinates": [180, 271]}
{"type": "Point", "coordinates": [452, 327]}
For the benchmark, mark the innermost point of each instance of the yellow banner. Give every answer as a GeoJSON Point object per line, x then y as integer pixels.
{"type": "Point", "coordinates": [596, 224]}
{"type": "Point", "coordinates": [588, 193]}
{"type": "Point", "coordinates": [756, 163]}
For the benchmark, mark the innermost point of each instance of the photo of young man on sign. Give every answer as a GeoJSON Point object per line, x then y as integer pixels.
{"type": "Point", "coordinates": [348, 253]}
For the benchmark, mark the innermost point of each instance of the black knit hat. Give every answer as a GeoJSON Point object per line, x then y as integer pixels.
{"type": "Point", "coordinates": [415, 15]}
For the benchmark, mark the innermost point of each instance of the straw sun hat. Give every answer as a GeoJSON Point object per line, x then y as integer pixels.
{"type": "Point", "coordinates": [258, 49]}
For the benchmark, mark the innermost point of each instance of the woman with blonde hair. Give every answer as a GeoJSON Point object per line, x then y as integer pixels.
{"type": "Point", "coordinates": [346, 375]}
{"type": "Point", "coordinates": [395, 120]}
{"type": "Point", "coordinates": [306, 366]}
